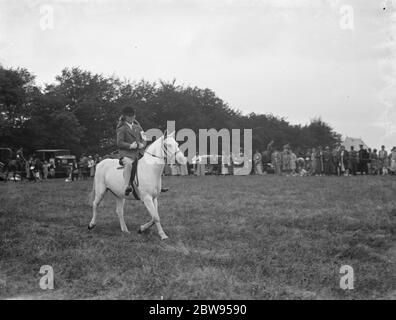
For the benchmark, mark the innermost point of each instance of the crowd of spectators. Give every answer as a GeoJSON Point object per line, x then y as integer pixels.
{"type": "Point", "coordinates": [83, 168]}
{"type": "Point", "coordinates": [327, 161]}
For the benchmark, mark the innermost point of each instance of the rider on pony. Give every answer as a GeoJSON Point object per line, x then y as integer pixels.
{"type": "Point", "coordinates": [131, 144]}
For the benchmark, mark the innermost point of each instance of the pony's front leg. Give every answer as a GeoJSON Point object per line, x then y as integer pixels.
{"type": "Point", "coordinates": [151, 207]}
{"type": "Point", "coordinates": [149, 224]}
{"type": "Point", "coordinates": [120, 213]}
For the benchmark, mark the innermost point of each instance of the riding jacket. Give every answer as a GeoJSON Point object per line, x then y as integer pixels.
{"type": "Point", "coordinates": [126, 136]}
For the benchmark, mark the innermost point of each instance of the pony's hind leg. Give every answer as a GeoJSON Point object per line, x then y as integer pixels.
{"type": "Point", "coordinates": [99, 194]}
{"type": "Point", "coordinates": [120, 213]}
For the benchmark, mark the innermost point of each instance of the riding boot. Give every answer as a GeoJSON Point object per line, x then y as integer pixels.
{"type": "Point", "coordinates": [127, 175]}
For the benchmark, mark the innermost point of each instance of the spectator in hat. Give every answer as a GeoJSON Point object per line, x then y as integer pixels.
{"type": "Point", "coordinates": [352, 161]}
{"type": "Point", "coordinates": [382, 159]}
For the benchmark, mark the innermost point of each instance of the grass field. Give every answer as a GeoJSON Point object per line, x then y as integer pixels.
{"type": "Point", "coordinates": [230, 238]}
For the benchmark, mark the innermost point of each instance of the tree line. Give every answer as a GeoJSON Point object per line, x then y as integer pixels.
{"type": "Point", "coordinates": [80, 109]}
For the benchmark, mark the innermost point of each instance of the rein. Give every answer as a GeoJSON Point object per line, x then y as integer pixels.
{"type": "Point", "coordinates": [165, 150]}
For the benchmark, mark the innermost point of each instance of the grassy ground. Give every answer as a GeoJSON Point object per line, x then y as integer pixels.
{"type": "Point", "coordinates": [230, 238]}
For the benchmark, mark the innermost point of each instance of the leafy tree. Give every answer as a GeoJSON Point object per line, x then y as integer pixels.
{"type": "Point", "coordinates": [80, 110]}
{"type": "Point", "coordinates": [17, 92]}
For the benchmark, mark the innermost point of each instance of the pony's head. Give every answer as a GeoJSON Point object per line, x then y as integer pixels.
{"type": "Point", "coordinates": [171, 149]}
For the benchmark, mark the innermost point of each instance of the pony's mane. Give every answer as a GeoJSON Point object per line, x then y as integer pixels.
{"type": "Point", "coordinates": [151, 145]}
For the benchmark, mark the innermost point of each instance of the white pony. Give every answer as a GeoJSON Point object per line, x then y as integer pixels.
{"type": "Point", "coordinates": [108, 176]}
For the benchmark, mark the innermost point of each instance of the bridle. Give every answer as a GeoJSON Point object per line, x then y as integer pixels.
{"type": "Point", "coordinates": [165, 150]}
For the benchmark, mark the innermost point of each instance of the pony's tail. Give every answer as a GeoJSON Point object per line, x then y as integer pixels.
{"type": "Point", "coordinates": [91, 195]}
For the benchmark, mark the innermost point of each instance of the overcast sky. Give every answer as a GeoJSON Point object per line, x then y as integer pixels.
{"type": "Point", "coordinates": [296, 59]}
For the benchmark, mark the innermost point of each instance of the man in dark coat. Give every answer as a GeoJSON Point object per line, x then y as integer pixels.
{"type": "Point", "coordinates": [363, 158]}
{"type": "Point", "coordinates": [352, 161]}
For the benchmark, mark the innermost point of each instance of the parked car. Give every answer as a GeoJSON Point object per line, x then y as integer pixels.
{"type": "Point", "coordinates": [61, 158]}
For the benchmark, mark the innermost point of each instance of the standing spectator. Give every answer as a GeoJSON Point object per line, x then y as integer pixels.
{"type": "Point", "coordinates": [34, 173]}
{"type": "Point", "coordinates": [362, 160]}
{"type": "Point", "coordinates": [368, 160]}
{"type": "Point", "coordinates": [382, 160]}
{"type": "Point", "coordinates": [276, 160]}
{"type": "Point", "coordinates": [313, 162]}
{"type": "Point", "coordinates": [342, 161]}
{"type": "Point", "coordinates": [318, 169]}
{"type": "Point", "coordinates": [257, 162]}
{"type": "Point", "coordinates": [393, 161]}
{"type": "Point", "coordinates": [69, 171]}
{"type": "Point", "coordinates": [32, 170]}
{"type": "Point", "coordinates": [75, 171]}
{"type": "Point", "coordinates": [91, 166]}
{"type": "Point", "coordinates": [374, 162]}
{"type": "Point", "coordinates": [293, 162]}
{"type": "Point", "coordinates": [335, 169]}
{"type": "Point", "coordinates": [46, 166]}
{"type": "Point", "coordinates": [286, 159]}
{"type": "Point", "coordinates": [27, 167]}
{"type": "Point", "coordinates": [52, 169]}
{"type": "Point", "coordinates": [352, 161]}
{"type": "Point", "coordinates": [308, 161]}
{"type": "Point", "coordinates": [321, 164]}
{"type": "Point", "coordinates": [38, 168]}
{"type": "Point", "coordinates": [327, 159]}
{"type": "Point", "coordinates": [83, 167]}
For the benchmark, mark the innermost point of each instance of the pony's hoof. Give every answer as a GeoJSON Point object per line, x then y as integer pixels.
{"type": "Point", "coordinates": [90, 227]}
{"type": "Point", "coordinates": [140, 231]}
{"type": "Point", "coordinates": [164, 237]}
{"type": "Point", "coordinates": [125, 231]}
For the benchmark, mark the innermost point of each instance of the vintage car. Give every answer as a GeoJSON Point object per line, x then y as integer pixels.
{"type": "Point", "coordinates": [61, 158]}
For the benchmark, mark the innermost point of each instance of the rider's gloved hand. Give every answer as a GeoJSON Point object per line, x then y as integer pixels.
{"type": "Point", "coordinates": [133, 145]}
{"type": "Point", "coordinates": [141, 145]}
